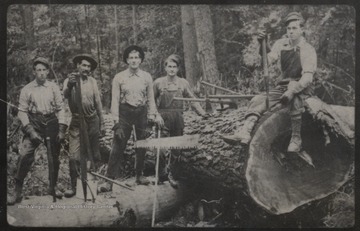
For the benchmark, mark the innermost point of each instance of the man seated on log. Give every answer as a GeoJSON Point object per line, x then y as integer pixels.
{"type": "Point", "coordinates": [132, 96]}
{"type": "Point", "coordinates": [92, 115]}
{"type": "Point", "coordinates": [165, 89]}
{"type": "Point", "coordinates": [298, 61]}
{"type": "Point", "coordinates": [40, 112]}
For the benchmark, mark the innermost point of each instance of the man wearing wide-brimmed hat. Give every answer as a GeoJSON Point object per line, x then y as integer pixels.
{"type": "Point", "coordinates": [40, 112]}
{"type": "Point", "coordinates": [132, 103]}
{"type": "Point", "coordinates": [91, 109]}
{"type": "Point", "coordinates": [297, 60]}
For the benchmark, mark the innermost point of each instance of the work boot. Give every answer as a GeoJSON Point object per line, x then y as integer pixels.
{"type": "Point", "coordinates": [142, 180]}
{"type": "Point", "coordinates": [295, 142]}
{"type": "Point", "coordinates": [172, 181]}
{"type": "Point", "coordinates": [244, 135]}
{"type": "Point", "coordinates": [15, 196]}
{"type": "Point", "coordinates": [105, 187]}
{"type": "Point", "coordinates": [58, 193]}
{"type": "Point", "coordinates": [72, 190]}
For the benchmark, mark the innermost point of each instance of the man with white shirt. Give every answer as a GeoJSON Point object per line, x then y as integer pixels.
{"type": "Point", "coordinates": [132, 103]}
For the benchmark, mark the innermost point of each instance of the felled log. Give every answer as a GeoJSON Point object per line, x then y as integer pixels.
{"type": "Point", "coordinates": [256, 172]}
{"type": "Point", "coordinates": [120, 208]}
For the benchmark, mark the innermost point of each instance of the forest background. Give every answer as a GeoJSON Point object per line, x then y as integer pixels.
{"type": "Point", "coordinates": [217, 42]}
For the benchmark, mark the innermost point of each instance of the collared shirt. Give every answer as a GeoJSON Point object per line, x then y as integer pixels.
{"type": "Point", "coordinates": [135, 89]}
{"type": "Point", "coordinates": [90, 97]}
{"type": "Point", "coordinates": [179, 87]}
{"type": "Point", "coordinates": [308, 56]}
{"type": "Point", "coordinates": [41, 99]}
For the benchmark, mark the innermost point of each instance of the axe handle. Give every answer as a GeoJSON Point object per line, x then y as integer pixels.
{"type": "Point", "coordinates": [51, 168]}
{"type": "Point", "coordinates": [217, 87]}
{"type": "Point", "coordinates": [231, 96]}
{"type": "Point", "coordinates": [156, 183]}
{"type": "Point", "coordinates": [111, 180]}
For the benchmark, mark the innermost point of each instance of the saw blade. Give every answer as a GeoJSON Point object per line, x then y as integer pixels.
{"type": "Point", "coordinates": [175, 142]}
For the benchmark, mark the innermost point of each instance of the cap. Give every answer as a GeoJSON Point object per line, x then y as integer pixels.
{"type": "Point", "coordinates": [294, 16]}
{"type": "Point", "coordinates": [78, 58]}
{"type": "Point", "coordinates": [42, 61]}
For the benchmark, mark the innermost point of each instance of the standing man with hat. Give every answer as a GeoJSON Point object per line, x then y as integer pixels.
{"type": "Point", "coordinates": [91, 109]}
{"type": "Point", "coordinates": [132, 103]}
{"type": "Point", "coordinates": [297, 60]}
{"type": "Point", "coordinates": [40, 112]}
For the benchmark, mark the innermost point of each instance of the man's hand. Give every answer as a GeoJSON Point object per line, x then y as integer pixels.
{"type": "Point", "coordinates": [102, 130]}
{"type": "Point", "coordinates": [119, 133]}
{"type": "Point", "coordinates": [261, 34]}
{"type": "Point", "coordinates": [159, 121]}
{"type": "Point", "coordinates": [207, 115]}
{"type": "Point", "coordinates": [35, 138]}
{"type": "Point", "coordinates": [72, 80]}
{"type": "Point", "coordinates": [61, 135]}
{"type": "Point", "coordinates": [287, 97]}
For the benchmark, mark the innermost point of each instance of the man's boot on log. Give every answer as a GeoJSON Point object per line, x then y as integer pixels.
{"type": "Point", "coordinates": [15, 196]}
{"type": "Point", "coordinates": [70, 192]}
{"type": "Point", "coordinates": [242, 137]}
{"type": "Point", "coordinates": [295, 142]}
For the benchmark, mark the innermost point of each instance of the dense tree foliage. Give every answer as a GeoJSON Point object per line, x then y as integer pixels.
{"type": "Point", "coordinates": [61, 31]}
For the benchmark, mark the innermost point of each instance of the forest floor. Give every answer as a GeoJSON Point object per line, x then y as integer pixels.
{"type": "Point", "coordinates": [339, 212]}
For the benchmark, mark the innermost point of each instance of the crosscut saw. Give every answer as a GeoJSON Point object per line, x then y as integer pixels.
{"type": "Point", "coordinates": [174, 142]}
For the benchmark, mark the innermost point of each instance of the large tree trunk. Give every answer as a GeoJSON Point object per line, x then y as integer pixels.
{"type": "Point", "coordinates": [192, 64]}
{"type": "Point", "coordinates": [28, 22]}
{"type": "Point", "coordinates": [255, 173]}
{"type": "Point", "coordinates": [121, 208]}
{"type": "Point", "coordinates": [205, 41]}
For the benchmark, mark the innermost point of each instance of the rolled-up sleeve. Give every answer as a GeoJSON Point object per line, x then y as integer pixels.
{"type": "Point", "coordinates": [308, 59]}
{"type": "Point", "coordinates": [150, 96]}
{"type": "Point", "coordinates": [59, 105]}
{"type": "Point", "coordinates": [23, 107]}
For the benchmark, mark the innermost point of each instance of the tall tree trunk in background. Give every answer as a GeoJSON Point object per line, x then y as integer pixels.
{"type": "Point", "coordinates": [205, 42]}
{"type": "Point", "coordinates": [87, 28]}
{"type": "Point", "coordinates": [28, 22]}
{"type": "Point", "coordinates": [134, 23]}
{"type": "Point", "coordinates": [192, 70]}
{"type": "Point", "coordinates": [116, 40]}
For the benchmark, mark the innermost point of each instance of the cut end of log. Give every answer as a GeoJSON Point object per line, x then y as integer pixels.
{"type": "Point", "coordinates": [280, 181]}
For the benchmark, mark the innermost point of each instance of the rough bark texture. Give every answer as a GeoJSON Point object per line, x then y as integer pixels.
{"type": "Point", "coordinates": [254, 172]}
{"type": "Point", "coordinates": [190, 44]}
{"type": "Point", "coordinates": [121, 208]}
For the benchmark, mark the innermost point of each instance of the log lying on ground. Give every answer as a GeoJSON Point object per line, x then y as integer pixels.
{"type": "Point", "coordinates": [255, 171]}
{"type": "Point", "coordinates": [120, 208]}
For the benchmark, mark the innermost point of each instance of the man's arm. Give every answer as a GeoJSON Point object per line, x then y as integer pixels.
{"type": "Point", "coordinates": [150, 97]}
{"type": "Point", "coordinates": [66, 90]}
{"type": "Point", "coordinates": [23, 108]}
{"type": "Point", "coordinates": [97, 101]}
{"type": "Point", "coordinates": [189, 94]}
{"type": "Point", "coordinates": [115, 99]}
{"type": "Point", "coordinates": [59, 104]}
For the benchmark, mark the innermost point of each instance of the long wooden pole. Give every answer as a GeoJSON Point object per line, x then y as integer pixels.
{"type": "Point", "coordinates": [156, 182]}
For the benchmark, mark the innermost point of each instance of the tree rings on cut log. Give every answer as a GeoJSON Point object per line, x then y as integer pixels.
{"type": "Point", "coordinates": [280, 181]}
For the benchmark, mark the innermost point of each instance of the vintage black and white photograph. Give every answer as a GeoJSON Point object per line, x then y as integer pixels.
{"type": "Point", "coordinates": [180, 115]}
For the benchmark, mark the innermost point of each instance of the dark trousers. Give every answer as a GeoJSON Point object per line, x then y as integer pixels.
{"type": "Point", "coordinates": [46, 127]}
{"type": "Point", "coordinates": [92, 127]}
{"type": "Point", "coordinates": [174, 126]}
{"type": "Point", "coordinates": [128, 116]}
{"type": "Point", "coordinates": [257, 104]}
